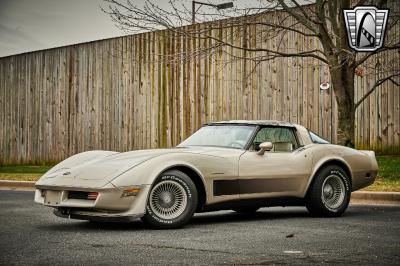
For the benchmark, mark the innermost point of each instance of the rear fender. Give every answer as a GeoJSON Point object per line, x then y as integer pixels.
{"type": "Point", "coordinates": [324, 155]}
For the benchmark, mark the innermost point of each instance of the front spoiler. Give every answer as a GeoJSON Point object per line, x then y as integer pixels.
{"type": "Point", "coordinates": [96, 217]}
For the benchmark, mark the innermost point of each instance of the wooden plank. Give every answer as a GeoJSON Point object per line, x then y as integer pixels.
{"type": "Point", "coordinates": [205, 78]}
{"type": "Point", "coordinates": [385, 126]}
{"type": "Point", "coordinates": [390, 120]}
{"type": "Point", "coordinates": [185, 88]}
{"type": "Point", "coordinates": [126, 93]}
{"type": "Point", "coordinates": [3, 151]}
{"type": "Point", "coordinates": [254, 76]}
{"type": "Point", "coordinates": [153, 84]}
{"type": "Point", "coordinates": [396, 113]}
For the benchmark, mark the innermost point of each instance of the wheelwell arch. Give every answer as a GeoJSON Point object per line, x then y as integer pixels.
{"type": "Point", "coordinates": [337, 162]}
{"type": "Point", "coordinates": [197, 180]}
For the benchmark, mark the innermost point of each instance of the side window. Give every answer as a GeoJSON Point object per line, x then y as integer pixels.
{"type": "Point", "coordinates": [282, 138]}
{"type": "Point", "coordinates": [317, 139]}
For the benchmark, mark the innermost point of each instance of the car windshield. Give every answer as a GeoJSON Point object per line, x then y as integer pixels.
{"type": "Point", "coordinates": [317, 139]}
{"type": "Point", "coordinates": [228, 136]}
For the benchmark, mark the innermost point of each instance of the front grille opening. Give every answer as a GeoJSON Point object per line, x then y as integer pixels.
{"type": "Point", "coordinates": [77, 195]}
{"type": "Point", "coordinates": [82, 195]}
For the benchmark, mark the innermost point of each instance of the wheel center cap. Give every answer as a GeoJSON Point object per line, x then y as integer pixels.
{"type": "Point", "coordinates": [166, 199]}
{"type": "Point", "coordinates": [328, 191]}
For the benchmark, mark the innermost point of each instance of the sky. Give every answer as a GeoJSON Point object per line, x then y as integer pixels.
{"type": "Point", "coordinates": [31, 25]}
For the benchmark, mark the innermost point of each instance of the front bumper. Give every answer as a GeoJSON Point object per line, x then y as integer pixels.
{"type": "Point", "coordinates": [110, 203]}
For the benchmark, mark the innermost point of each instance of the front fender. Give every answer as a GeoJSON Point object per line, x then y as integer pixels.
{"type": "Point", "coordinates": [147, 172]}
{"type": "Point", "coordinates": [207, 166]}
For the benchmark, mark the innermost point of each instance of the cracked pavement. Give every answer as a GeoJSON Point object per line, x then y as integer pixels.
{"type": "Point", "coordinates": [30, 234]}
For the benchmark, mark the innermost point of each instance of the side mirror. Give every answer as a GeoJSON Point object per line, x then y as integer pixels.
{"type": "Point", "coordinates": [265, 146]}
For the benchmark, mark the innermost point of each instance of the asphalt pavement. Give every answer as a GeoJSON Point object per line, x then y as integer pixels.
{"type": "Point", "coordinates": [30, 235]}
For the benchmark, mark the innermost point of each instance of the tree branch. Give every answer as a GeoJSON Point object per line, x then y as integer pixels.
{"type": "Point", "coordinates": [368, 55]}
{"type": "Point", "coordinates": [272, 25]}
{"type": "Point", "coordinates": [311, 53]}
{"type": "Point", "coordinates": [377, 84]}
{"type": "Point", "coordinates": [303, 20]}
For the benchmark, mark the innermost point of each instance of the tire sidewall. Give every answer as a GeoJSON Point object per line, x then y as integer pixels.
{"type": "Point", "coordinates": [191, 193]}
{"type": "Point", "coordinates": [337, 171]}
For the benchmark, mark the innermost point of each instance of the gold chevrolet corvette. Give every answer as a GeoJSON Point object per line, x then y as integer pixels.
{"type": "Point", "coordinates": [238, 165]}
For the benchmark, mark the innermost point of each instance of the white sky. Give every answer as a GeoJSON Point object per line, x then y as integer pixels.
{"type": "Point", "coordinates": [30, 25]}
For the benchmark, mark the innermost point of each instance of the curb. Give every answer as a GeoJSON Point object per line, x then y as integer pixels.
{"type": "Point", "coordinates": [370, 197]}
{"type": "Point", "coordinates": [17, 185]}
{"type": "Point", "coordinates": [358, 197]}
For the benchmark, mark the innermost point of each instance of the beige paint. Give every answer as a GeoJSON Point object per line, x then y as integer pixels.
{"type": "Point", "coordinates": [289, 172]}
{"type": "Point", "coordinates": [282, 173]}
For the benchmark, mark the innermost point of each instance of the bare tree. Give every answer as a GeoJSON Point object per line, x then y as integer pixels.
{"type": "Point", "coordinates": [322, 20]}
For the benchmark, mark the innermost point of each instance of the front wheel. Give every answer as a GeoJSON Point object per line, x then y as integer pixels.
{"type": "Point", "coordinates": [329, 194]}
{"type": "Point", "coordinates": [172, 201]}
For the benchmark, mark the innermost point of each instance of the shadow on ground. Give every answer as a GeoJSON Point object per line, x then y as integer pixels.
{"type": "Point", "coordinates": [202, 219]}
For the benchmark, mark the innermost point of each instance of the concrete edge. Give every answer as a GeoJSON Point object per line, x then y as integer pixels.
{"type": "Point", "coordinates": [358, 197]}
{"type": "Point", "coordinates": [375, 197]}
{"type": "Point", "coordinates": [17, 185]}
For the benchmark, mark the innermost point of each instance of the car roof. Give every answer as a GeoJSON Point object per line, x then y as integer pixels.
{"type": "Point", "coordinates": [254, 122]}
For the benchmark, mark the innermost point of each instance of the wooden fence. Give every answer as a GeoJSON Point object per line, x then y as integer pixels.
{"type": "Point", "coordinates": [151, 90]}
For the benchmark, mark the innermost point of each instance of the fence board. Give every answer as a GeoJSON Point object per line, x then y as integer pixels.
{"type": "Point", "coordinates": [126, 93]}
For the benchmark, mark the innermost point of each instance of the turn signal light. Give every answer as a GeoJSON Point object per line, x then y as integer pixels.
{"type": "Point", "coordinates": [132, 191]}
{"type": "Point", "coordinates": [92, 195]}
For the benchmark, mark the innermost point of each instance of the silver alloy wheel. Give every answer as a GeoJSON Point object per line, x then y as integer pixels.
{"type": "Point", "coordinates": [168, 200]}
{"type": "Point", "coordinates": [333, 191]}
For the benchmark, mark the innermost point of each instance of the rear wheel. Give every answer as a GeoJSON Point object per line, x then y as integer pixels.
{"type": "Point", "coordinates": [172, 201]}
{"type": "Point", "coordinates": [329, 194]}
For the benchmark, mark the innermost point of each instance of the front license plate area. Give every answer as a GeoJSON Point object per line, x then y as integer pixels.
{"type": "Point", "coordinates": [52, 197]}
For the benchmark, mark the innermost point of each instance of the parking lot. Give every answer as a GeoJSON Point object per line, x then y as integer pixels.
{"type": "Point", "coordinates": [31, 234]}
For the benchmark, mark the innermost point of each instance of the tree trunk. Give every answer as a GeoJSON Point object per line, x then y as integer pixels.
{"type": "Point", "coordinates": [346, 123]}
{"type": "Point", "coordinates": [343, 85]}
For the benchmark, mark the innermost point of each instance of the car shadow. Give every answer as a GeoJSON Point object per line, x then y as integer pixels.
{"type": "Point", "coordinates": [208, 218]}
{"type": "Point", "coordinates": [233, 217]}
{"type": "Point", "coordinates": [75, 225]}
{"type": "Point", "coordinates": [199, 219]}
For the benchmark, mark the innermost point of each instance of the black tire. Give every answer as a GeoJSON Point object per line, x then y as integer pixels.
{"type": "Point", "coordinates": [153, 216]}
{"type": "Point", "coordinates": [246, 210]}
{"type": "Point", "coordinates": [331, 203]}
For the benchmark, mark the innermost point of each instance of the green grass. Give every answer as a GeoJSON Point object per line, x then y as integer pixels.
{"type": "Point", "coordinates": [22, 172]}
{"type": "Point", "coordinates": [388, 178]}
{"type": "Point", "coordinates": [24, 169]}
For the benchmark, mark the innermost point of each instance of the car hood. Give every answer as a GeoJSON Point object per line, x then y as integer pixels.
{"type": "Point", "coordinates": [97, 169]}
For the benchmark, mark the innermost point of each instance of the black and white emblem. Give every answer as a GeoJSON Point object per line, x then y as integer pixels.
{"type": "Point", "coordinates": [365, 27]}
